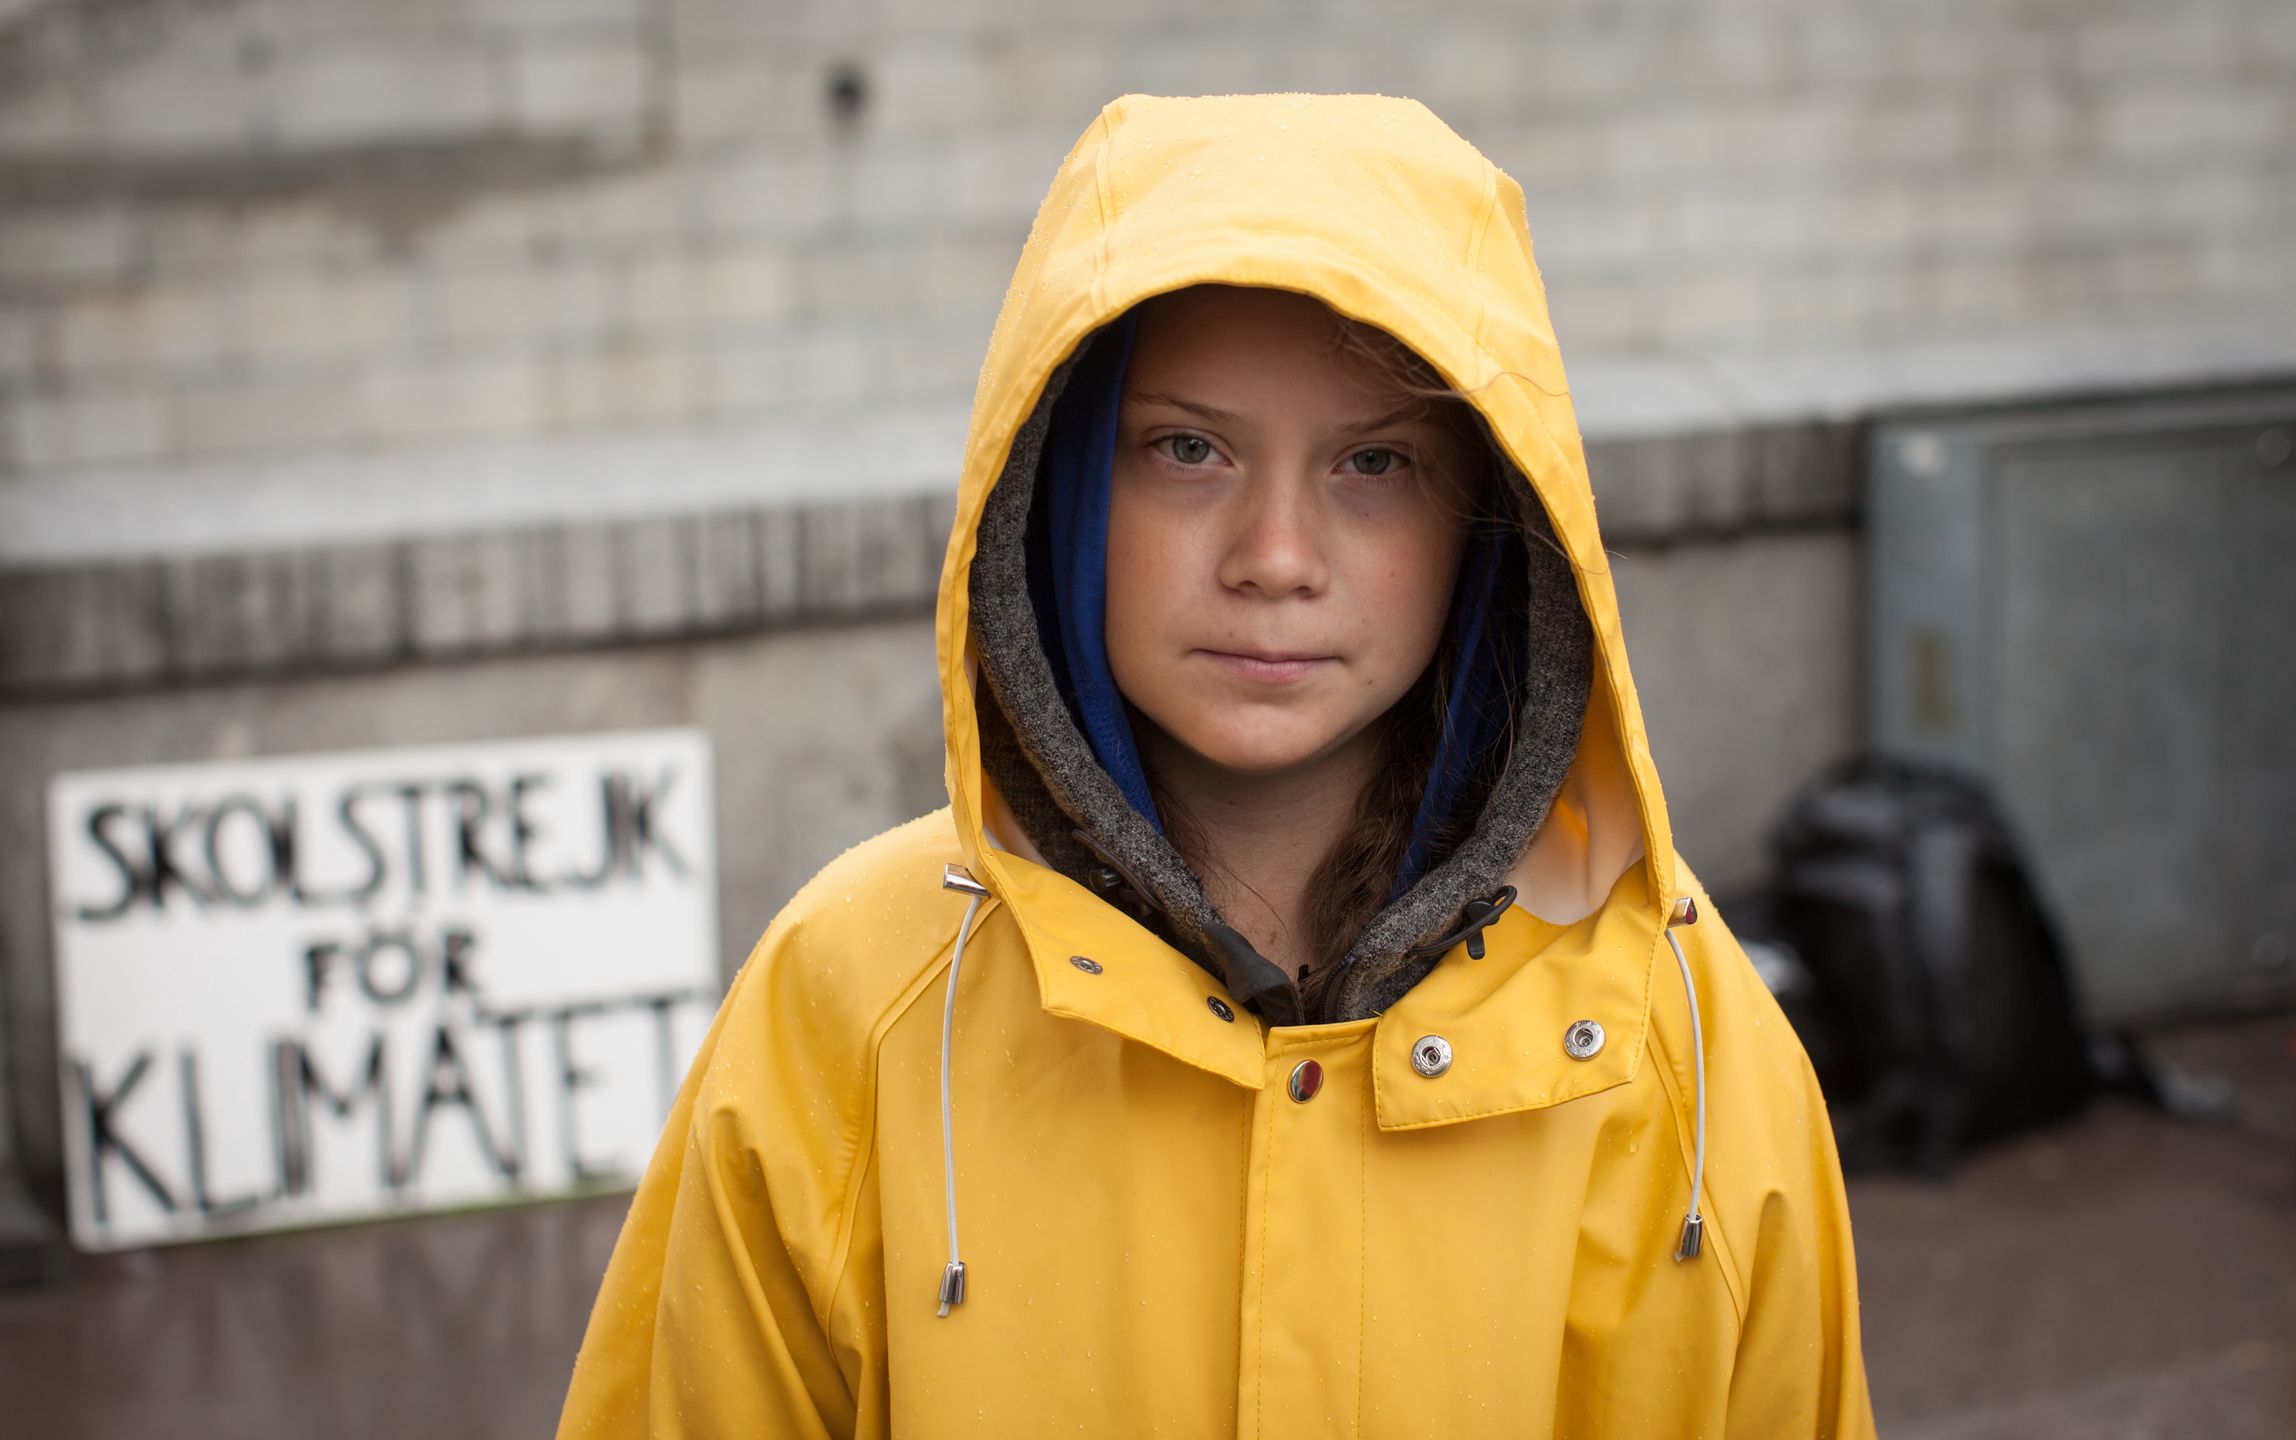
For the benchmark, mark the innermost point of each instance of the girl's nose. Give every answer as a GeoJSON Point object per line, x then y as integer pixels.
{"type": "Point", "coordinates": [1276, 546]}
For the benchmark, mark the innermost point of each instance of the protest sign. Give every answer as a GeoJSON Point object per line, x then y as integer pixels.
{"type": "Point", "coordinates": [309, 989]}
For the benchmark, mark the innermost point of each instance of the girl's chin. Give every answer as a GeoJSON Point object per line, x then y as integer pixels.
{"type": "Point", "coordinates": [1265, 757]}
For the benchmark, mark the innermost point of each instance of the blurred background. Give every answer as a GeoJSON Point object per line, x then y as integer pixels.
{"type": "Point", "coordinates": [467, 374]}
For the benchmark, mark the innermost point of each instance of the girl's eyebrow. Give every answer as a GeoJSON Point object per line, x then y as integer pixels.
{"type": "Point", "coordinates": [1410, 410]}
{"type": "Point", "coordinates": [1197, 408]}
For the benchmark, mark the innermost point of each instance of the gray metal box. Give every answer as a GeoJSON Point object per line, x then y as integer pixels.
{"type": "Point", "coordinates": [2094, 607]}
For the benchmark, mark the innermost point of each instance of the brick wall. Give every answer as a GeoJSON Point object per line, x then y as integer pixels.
{"type": "Point", "coordinates": [239, 228]}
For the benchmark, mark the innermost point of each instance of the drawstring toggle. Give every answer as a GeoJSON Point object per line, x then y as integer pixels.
{"type": "Point", "coordinates": [1693, 1239]}
{"type": "Point", "coordinates": [1475, 917]}
{"type": "Point", "coordinates": [952, 1285]}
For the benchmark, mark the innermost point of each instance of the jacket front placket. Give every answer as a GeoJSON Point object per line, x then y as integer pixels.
{"type": "Point", "coordinates": [1301, 1331]}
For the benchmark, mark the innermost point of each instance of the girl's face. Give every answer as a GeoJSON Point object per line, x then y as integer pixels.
{"type": "Point", "coordinates": [1281, 542]}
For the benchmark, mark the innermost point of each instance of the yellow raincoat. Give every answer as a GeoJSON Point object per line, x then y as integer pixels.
{"type": "Point", "coordinates": [1159, 1239]}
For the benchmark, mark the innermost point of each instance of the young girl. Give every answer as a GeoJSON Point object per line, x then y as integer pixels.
{"type": "Point", "coordinates": [1299, 1022]}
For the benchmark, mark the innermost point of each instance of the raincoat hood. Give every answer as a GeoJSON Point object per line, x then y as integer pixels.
{"type": "Point", "coordinates": [1270, 191]}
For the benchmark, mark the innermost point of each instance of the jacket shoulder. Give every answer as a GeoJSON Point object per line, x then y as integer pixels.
{"type": "Point", "coordinates": [890, 866]}
{"type": "Point", "coordinates": [857, 935]}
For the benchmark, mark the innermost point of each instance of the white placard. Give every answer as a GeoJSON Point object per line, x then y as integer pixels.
{"type": "Point", "coordinates": [309, 989]}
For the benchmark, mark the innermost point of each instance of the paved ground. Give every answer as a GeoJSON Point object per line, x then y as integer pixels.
{"type": "Point", "coordinates": [2130, 1277]}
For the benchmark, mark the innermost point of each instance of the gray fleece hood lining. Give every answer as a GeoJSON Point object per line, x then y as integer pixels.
{"type": "Point", "coordinates": [1056, 787]}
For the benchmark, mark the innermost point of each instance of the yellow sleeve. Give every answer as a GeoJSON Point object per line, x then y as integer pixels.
{"type": "Point", "coordinates": [703, 1325]}
{"type": "Point", "coordinates": [1801, 1359]}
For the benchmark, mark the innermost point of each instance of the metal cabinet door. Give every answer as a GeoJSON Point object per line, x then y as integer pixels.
{"type": "Point", "coordinates": [2093, 607]}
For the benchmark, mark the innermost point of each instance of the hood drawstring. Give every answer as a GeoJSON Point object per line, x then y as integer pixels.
{"type": "Point", "coordinates": [1475, 917]}
{"type": "Point", "coordinates": [1693, 1224]}
{"type": "Point", "coordinates": [954, 877]}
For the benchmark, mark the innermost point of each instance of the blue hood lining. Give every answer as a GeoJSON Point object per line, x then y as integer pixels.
{"type": "Point", "coordinates": [1072, 603]}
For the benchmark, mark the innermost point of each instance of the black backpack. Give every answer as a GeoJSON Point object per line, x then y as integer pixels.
{"type": "Point", "coordinates": [1936, 1003]}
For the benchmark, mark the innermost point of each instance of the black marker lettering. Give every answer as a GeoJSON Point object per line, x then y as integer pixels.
{"type": "Point", "coordinates": [287, 1138]}
{"type": "Point", "coordinates": [470, 816]}
{"type": "Point", "coordinates": [310, 1083]}
{"type": "Point", "coordinates": [522, 830]}
{"type": "Point", "coordinates": [285, 843]}
{"type": "Point", "coordinates": [104, 1140]}
{"type": "Point", "coordinates": [347, 811]}
{"type": "Point", "coordinates": [448, 1083]}
{"type": "Point", "coordinates": [418, 872]}
{"type": "Point", "coordinates": [643, 833]}
{"type": "Point", "coordinates": [572, 1077]}
{"type": "Point", "coordinates": [195, 1144]}
{"type": "Point", "coordinates": [609, 837]}
{"type": "Point", "coordinates": [164, 870]}
{"type": "Point", "coordinates": [507, 1026]}
{"type": "Point", "coordinates": [219, 874]}
{"type": "Point", "coordinates": [385, 982]}
{"type": "Point", "coordinates": [319, 959]}
{"type": "Point", "coordinates": [133, 882]}
{"type": "Point", "coordinates": [456, 972]}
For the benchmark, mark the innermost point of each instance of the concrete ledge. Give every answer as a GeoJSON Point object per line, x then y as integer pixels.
{"type": "Point", "coordinates": [243, 505]}
{"type": "Point", "coordinates": [97, 625]}
{"type": "Point", "coordinates": [1658, 490]}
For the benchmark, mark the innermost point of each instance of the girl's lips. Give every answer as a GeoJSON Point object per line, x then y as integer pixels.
{"type": "Point", "coordinates": [1274, 669]}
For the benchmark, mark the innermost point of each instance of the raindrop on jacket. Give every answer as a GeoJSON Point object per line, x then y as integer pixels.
{"type": "Point", "coordinates": [1471, 1221]}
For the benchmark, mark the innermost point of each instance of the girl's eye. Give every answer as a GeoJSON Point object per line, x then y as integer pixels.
{"type": "Point", "coordinates": [1188, 449]}
{"type": "Point", "coordinates": [1375, 461]}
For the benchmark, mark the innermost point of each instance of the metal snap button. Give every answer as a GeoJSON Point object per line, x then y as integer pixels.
{"type": "Point", "coordinates": [1220, 1007]}
{"type": "Point", "coordinates": [1085, 963]}
{"type": "Point", "coordinates": [1583, 1041]}
{"type": "Point", "coordinates": [1306, 1081]}
{"type": "Point", "coordinates": [1431, 1055]}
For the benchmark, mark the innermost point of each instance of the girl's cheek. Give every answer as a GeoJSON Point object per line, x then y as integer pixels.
{"type": "Point", "coordinates": [1416, 554]}
{"type": "Point", "coordinates": [1147, 569]}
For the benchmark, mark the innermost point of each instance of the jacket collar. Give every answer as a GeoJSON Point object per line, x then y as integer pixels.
{"type": "Point", "coordinates": [1504, 1016]}
{"type": "Point", "coordinates": [1130, 982]}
